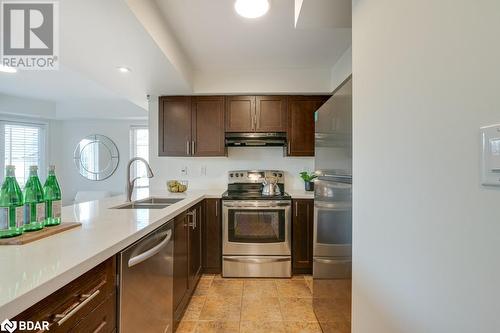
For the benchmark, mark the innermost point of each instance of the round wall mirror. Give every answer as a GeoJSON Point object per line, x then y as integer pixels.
{"type": "Point", "coordinates": [96, 157]}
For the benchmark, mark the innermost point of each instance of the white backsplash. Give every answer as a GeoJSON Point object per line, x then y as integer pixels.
{"type": "Point", "coordinates": [216, 168]}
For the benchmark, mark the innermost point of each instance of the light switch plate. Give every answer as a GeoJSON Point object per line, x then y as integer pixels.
{"type": "Point", "coordinates": [490, 155]}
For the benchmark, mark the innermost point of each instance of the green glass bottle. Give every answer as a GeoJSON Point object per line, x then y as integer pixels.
{"type": "Point", "coordinates": [52, 195]}
{"type": "Point", "coordinates": [34, 203]}
{"type": "Point", "coordinates": [11, 205]}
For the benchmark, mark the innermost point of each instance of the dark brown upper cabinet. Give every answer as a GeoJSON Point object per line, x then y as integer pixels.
{"type": "Point", "coordinates": [240, 113]}
{"type": "Point", "coordinates": [208, 126]}
{"type": "Point", "coordinates": [256, 114]}
{"type": "Point", "coordinates": [301, 111]}
{"type": "Point", "coordinates": [270, 114]}
{"type": "Point", "coordinates": [191, 126]}
{"type": "Point", "coordinates": [174, 127]}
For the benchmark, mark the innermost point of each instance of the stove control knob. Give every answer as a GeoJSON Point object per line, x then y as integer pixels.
{"type": "Point", "coordinates": [280, 175]}
{"type": "Point", "coordinates": [237, 175]}
{"type": "Point", "coordinates": [241, 175]}
{"type": "Point", "coordinates": [231, 175]}
{"type": "Point", "coordinates": [275, 174]}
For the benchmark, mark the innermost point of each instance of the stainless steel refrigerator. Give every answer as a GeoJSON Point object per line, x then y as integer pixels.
{"type": "Point", "coordinates": [332, 262]}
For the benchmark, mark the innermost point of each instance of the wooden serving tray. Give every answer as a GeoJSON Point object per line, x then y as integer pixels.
{"type": "Point", "coordinates": [32, 236]}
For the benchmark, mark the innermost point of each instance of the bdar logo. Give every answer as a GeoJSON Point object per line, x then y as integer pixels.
{"type": "Point", "coordinates": [8, 326]}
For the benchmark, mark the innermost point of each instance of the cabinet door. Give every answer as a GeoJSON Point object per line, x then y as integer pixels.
{"type": "Point", "coordinates": [302, 236]}
{"type": "Point", "coordinates": [195, 218]}
{"type": "Point", "coordinates": [271, 113]}
{"type": "Point", "coordinates": [174, 126]}
{"type": "Point", "coordinates": [208, 126]}
{"type": "Point", "coordinates": [301, 124]}
{"type": "Point", "coordinates": [212, 237]}
{"type": "Point", "coordinates": [240, 113]}
{"type": "Point", "coordinates": [180, 280]}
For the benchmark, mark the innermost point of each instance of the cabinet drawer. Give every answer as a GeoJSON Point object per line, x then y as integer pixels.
{"type": "Point", "coordinates": [70, 304]}
{"type": "Point", "coordinates": [101, 320]}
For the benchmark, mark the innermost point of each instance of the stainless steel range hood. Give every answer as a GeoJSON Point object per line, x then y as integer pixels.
{"type": "Point", "coordinates": [274, 139]}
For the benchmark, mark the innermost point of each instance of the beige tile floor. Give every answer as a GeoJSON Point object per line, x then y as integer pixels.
{"type": "Point", "coordinates": [251, 306]}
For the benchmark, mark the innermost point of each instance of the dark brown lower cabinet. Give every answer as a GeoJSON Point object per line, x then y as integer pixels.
{"type": "Point", "coordinates": [302, 236]}
{"type": "Point", "coordinates": [195, 224]}
{"type": "Point", "coordinates": [187, 258]}
{"type": "Point", "coordinates": [101, 319]}
{"type": "Point", "coordinates": [180, 280]}
{"type": "Point", "coordinates": [87, 304]}
{"type": "Point", "coordinates": [212, 237]}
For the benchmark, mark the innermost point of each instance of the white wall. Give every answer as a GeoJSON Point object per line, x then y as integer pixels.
{"type": "Point", "coordinates": [426, 234]}
{"type": "Point", "coordinates": [26, 107]}
{"type": "Point", "coordinates": [217, 167]}
{"type": "Point", "coordinates": [67, 133]}
{"type": "Point", "coordinates": [278, 81]}
{"type": "Point", "coordinates": [342, 69]}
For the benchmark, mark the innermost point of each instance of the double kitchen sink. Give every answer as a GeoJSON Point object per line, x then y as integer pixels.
{"type": "Point", "coordinates": [149, 203]}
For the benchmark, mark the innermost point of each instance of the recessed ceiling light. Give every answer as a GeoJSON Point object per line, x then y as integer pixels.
{"type": "Point", "coordinates": [7, 69]}
{"type": "Point", "coordinates": [124, 69]}
{"type": "Point", "coordinates": [251, 8]}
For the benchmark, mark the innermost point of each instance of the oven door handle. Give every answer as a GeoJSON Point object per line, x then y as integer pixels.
{"type": "Point", "coordinates": [274, 205]}
{"type": "Point", "coordinates": [255, 260]}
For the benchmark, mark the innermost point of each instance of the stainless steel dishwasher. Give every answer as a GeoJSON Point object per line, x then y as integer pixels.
{"type": "Point", "coordinates": [145, 277]}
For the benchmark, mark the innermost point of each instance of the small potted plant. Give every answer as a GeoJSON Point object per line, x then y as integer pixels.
{"type": "Point", "coordinates": [308, 180]}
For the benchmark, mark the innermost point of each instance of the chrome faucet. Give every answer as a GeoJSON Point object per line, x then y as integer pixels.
{"type": "Point", "coordinates": [130, 183]}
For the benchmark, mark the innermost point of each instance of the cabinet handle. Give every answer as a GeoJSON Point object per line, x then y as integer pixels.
{"type": "Point", "coordinates": [187, 148]}
{"type": "Point", "coordinates": [216, 208]}
{"type": "Point", "coordinates": [193, 216]}
{"type": "Point", "coordinates": [85, 299]}
{"type": "Point", "coordinates": [296, 209]}
{"type": "Point", "coordinates": [193, 146]}
{"type": "Point", "coordinates": [100, 327]}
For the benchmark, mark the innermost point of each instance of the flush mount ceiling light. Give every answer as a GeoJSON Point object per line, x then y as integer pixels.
{"type": "Point", "coordinates": [7, 69]}
{"type": "Point", "coordinates": [251, 8]}
{"type": "Point", "coordinates": [124, 69]}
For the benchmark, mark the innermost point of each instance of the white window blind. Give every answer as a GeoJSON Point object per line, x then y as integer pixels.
{"type": "Point", "coordinates": [139, 147]}
{"type": "Point", "coordinates": [22, 145]}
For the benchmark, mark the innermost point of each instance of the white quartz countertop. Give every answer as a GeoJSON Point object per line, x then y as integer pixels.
{"type": "Point", "coordinates": [31, 272]}
{"type": "Point", "coordinates": [301, 194]}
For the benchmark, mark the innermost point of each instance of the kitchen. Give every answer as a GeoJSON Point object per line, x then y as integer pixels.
{"type": "Point", "coordinates": [274, 166]}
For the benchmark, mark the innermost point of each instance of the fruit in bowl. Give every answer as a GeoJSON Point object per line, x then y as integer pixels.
{"type": "Point", "coordinates": [177, 186]}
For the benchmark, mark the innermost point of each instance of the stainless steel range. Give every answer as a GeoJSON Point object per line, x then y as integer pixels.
{"type": "Point", "coordinates": [256, 227]}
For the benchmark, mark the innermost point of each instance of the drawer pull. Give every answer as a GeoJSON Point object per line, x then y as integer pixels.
{"type": "Point", "coordinates": [85, 299]}
{"type": "Point", "coordinates": [100, 327]}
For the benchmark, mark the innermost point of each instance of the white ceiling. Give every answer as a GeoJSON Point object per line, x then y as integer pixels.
{"type": "Point", "coordinates": [177, 47]}
{"type": "Point", "coordinates": [95, 37]}
{"type": "Point", "coordinates": [216, 38]}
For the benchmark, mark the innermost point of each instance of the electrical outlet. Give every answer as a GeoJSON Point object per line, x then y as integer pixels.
{"type": "Point", "coordinates": [184, 171]}
{"type": "Point", "coordinates": [203, 170]}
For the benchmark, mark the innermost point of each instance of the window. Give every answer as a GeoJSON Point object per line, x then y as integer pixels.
{"type": "Point", "coordinates": [139, 147]}
{"type": "Point", "coordinates": [22, 145]}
